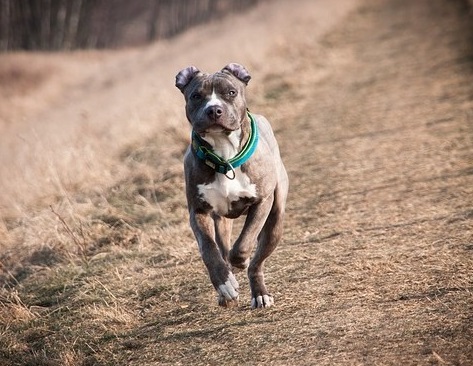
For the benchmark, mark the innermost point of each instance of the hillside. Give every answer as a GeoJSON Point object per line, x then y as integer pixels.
{"type": "Point", "coordinates": [371, 102]}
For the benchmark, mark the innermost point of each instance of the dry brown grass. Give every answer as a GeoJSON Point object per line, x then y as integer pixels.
{"type": "Point", "coordinates": [376, 264]}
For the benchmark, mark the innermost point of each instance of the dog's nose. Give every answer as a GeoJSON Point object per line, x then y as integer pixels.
{"type": "Point", "coordinates": [214, 112]}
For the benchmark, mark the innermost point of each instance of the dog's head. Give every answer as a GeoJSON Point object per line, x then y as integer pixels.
{"type": "Point", "coordinates": [214, 102]}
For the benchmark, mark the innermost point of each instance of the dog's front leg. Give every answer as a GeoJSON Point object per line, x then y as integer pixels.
{"type": "Point", "coordinates": [220, 274]}
{"type": "Point", "coordinates": [223, 234]}
{"type": "Point", "coordinates": [257, 215]}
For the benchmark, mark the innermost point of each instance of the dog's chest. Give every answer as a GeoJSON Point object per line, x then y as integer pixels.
{"type": "Point", "coordinates": [228, 197]}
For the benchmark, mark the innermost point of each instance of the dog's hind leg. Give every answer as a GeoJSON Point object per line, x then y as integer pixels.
{"type": "Point", "coordinates": [267, 242]}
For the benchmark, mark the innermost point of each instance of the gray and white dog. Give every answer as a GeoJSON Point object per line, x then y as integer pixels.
{"type": "Point", "coordinates": [232, 168]}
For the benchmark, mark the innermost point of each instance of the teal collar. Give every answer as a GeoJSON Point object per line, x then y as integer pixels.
{"type": "Point", "coordinates": [219, 164]}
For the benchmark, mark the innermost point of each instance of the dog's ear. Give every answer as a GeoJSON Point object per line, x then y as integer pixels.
{"type": "Point", "coordinates": [184, 77]}
{"type": "Point", "coordinates": [238, 71]}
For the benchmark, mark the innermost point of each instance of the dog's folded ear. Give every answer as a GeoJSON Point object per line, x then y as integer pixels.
{"type": "Point", "coordinates": [238, 71]}
{"type": "Point", "coordinates": [184, 77]}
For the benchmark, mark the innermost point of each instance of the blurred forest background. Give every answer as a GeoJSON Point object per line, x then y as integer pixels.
{"type": "Point", "coordinates": [75, 24]}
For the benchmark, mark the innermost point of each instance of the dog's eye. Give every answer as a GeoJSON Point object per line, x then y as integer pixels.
{"type": "Point", "coordinates": [232, 93]}
{"type": "Point", "coordinates": [196, 96]}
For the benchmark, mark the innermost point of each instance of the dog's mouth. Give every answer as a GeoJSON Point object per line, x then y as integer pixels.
{"type": "Point", "coordinates": [225, 125]}
{"type": "Point", "coordinates": [217, 128]}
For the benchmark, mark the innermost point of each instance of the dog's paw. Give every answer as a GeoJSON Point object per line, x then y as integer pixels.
{"type": "Point", "coordinates": [238, 261]}
{"type": "Point", "coordinates": [262, 301]}
{"type": "Point", "coordinates": [223, 302]}
{"type": "Point", "coordinates": [228, 291]}
{"type": "Point", "coordinates": [241, 266]}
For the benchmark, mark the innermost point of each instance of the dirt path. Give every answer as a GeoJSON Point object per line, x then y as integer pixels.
{"type": "Point", "coordinates": [382, 190]}
{"type": "Point", "coordinates": [375, 124]}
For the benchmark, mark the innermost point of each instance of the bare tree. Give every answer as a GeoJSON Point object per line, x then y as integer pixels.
{"type": "Point", "coordinates": [4, 24]}
{"type": "Point", "coordinates": [71, 24]}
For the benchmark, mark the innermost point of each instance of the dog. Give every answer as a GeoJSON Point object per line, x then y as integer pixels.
{"type": "Point", "coordinates": [232, 167]}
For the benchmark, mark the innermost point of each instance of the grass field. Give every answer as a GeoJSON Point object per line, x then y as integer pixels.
{"type": "Point", "coordinates": [372, 103]}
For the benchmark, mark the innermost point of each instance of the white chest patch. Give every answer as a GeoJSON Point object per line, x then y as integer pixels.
{"type": "Point", "coordinates": [222, 191]}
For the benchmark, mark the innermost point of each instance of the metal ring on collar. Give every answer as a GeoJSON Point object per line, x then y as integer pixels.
{"type": "Point", "coordinates": [230, 170]}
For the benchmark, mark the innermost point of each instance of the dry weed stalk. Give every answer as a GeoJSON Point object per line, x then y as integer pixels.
{"type": "Point", "coordinates": [81, 242]}
{"type": "Point", "coordinates": [14, 309]}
